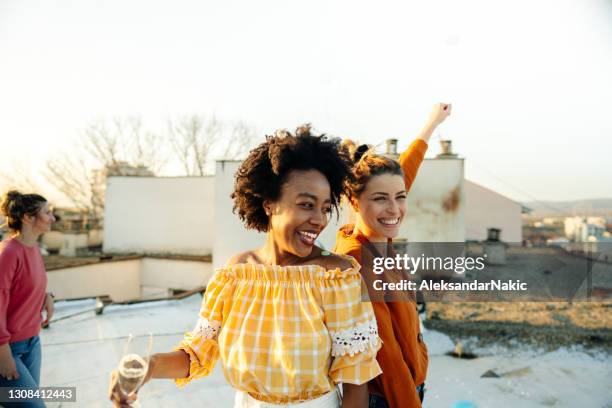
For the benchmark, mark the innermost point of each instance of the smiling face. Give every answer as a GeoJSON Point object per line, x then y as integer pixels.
{"type": "Point", "coordinates": [380, 208]}
{"type": "Point", "coordinates": [301, 212]}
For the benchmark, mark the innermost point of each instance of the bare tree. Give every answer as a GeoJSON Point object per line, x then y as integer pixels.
{"type": "Point", "coordinates": [123, 146]}
{"type": "Point", "coordinates": [195, 138]}
{"type": "Point", "coordinates": [192, 138]}
{"type": "Point", "coordinates": [19, 178]}
{"type": "Point", "coordinates": [77, 182]}
{"type": "Point", "coordinates": [119, 147]}
{"type": "Point", "coordinates": [240, 139]}
{"type": "Point", "coordinates": [124, 140]}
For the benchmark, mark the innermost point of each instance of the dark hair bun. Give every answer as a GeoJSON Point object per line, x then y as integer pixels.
{"type": "Point", "coordinates": [360, 151]}
{"type": "Point", "coordinates": [13, 195]}
{"type": "Point", "coordinates": [16, 205]}
{"type": "Point", "coordinates": [11, 199]}
{"type": "Point", "coordinates": [354, 152]}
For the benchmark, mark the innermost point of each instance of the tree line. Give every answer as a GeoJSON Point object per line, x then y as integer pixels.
{"type": "Point", "coordinates": [124, 146]}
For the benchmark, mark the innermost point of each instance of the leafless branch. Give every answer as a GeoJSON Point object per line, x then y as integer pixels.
{"type": "Point", "coordinates": [192, 138]}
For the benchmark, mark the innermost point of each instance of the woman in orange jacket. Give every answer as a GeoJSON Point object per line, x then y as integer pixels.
{"type": "Point", "coordinates": [378, 197]}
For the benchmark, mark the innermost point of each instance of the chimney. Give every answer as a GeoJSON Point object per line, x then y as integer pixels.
{"type": "Point", "coordinates": [391, 147]}
{"type": "Point", "coordinates": [494, 249]}
{"type": "Point", "coordinates": [493, 234]}
{"type": "Point", "coordinates": [446, 147]}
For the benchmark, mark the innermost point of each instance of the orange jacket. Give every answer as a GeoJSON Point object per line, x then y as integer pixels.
{"type": "Point", "coordinates": [403, 356]}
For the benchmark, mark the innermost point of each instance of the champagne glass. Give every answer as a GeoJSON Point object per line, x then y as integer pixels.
{"type": "Point", "coordinates": [134, 364]}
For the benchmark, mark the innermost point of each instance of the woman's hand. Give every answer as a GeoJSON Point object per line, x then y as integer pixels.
{"type": "Point", "coordinates": [117, 397]}
{"type": "Point", "coordinates": [49, 308]}
{"type": "Point", "coordinates": [439, 113]}
{"type": "Point", "coordinates": [8, 368]}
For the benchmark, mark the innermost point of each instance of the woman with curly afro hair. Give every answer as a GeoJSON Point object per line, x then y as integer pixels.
{"type": "Point", "coordinates": [286, 319]}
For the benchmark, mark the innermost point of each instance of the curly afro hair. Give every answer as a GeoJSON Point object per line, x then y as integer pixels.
{"type": "Point", "coordinates": [264, 171]}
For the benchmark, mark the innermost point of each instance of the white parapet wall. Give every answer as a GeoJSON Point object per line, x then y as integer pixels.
{"type": "Point", "coordinates": [129, 279]}
{"type": "Point", "coordinates": [120, 280]}
{"type": "Point", "coordinates": [159, 215]}
{"type": "Point", "coordinates": [174, 273]}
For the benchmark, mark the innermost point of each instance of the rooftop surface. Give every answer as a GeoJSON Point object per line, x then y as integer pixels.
{"type": "Point", "coordinates": [82, 350]}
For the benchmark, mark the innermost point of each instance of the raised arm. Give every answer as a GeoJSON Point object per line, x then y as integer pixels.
{"type": "Point", "coordinates": [438, 114]}
{"type": "Point", "coordinates": [410, 160]}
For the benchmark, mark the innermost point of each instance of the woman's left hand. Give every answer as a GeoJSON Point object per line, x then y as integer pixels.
{"type": "Point", "coordinates": [439, 113]}
{"type": "Point", "coordinates": [49, 308]}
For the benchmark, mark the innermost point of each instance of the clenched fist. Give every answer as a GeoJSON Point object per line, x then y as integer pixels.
{"type": "Point", "coordinates": [439, 113]}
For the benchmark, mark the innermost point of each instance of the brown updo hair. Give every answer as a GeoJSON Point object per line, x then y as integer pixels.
{"type": "Point", "coordinates": [366, 164]}
{"type": "Point", "coordinates": [262, 174]}
{"type": "Point", "coordinates": [16, 205]}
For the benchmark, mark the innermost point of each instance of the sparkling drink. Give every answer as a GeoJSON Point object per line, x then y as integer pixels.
{"type": "Point", "coordinates": [132, 371]}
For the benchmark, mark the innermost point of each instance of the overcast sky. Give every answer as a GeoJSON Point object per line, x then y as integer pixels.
{"type": "Point", "coordinates": [529, 80]}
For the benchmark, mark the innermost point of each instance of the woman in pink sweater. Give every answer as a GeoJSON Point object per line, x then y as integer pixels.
{"type": "Point", "coordinates": [23, 284]}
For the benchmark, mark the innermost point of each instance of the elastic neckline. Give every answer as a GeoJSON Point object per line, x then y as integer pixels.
{"type": "Point", "coordinates": [353, 266]}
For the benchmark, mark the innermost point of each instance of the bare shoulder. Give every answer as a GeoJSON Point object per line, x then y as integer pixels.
{"type": "Point", "coordinates": [330, 260]}
{"type": "Point", "coordinates": [243, 257]}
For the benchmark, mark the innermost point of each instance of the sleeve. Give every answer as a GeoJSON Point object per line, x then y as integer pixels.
{"type": "Point", "coordinates": [8, 267]}
{"type": "Point", "coordinates": [410, 161]}
{"type": "Point", "coordinates": [201, 343]}
{"type": "Point", "coordinates": [352, 328]}
{"type": "Point", "coordinates": [396, 382]}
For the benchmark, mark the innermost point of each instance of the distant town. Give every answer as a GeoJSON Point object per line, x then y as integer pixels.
{"type": "Point", "coordinates": [560, 223]}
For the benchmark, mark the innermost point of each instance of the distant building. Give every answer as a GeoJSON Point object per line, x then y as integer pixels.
{"type": "Point", "coordinates": [487, 209]}
{"type": "Point", "coordinates": [122, 168]}
{"type": "Point", "coordinates": [583, 229]}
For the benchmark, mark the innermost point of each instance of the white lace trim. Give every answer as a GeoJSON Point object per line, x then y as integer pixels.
{"type": "Point", "coordinates": [206, 328]}
{"type": "Point", "coordinates": [355, 340]}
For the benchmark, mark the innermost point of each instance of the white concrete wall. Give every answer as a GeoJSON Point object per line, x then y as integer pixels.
{"type": "Point", "coordinates": [128, 279]}
{"type": "Point", "coordinates": [436, 203]}
{"type": "Point", "coordinates": [488, 209]}
{"type": "Point", "coordinates": [119, 280]}
{"type": "Point", "coordinates": [174, 274]}
{"type": "Point", "coordinates": [159, 215]}
{"type": "Point", "coordinates": [231, 237]}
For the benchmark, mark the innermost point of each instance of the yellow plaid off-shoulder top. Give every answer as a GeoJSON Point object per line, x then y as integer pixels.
{"type": "Point", "coordinates": [284, 333]}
